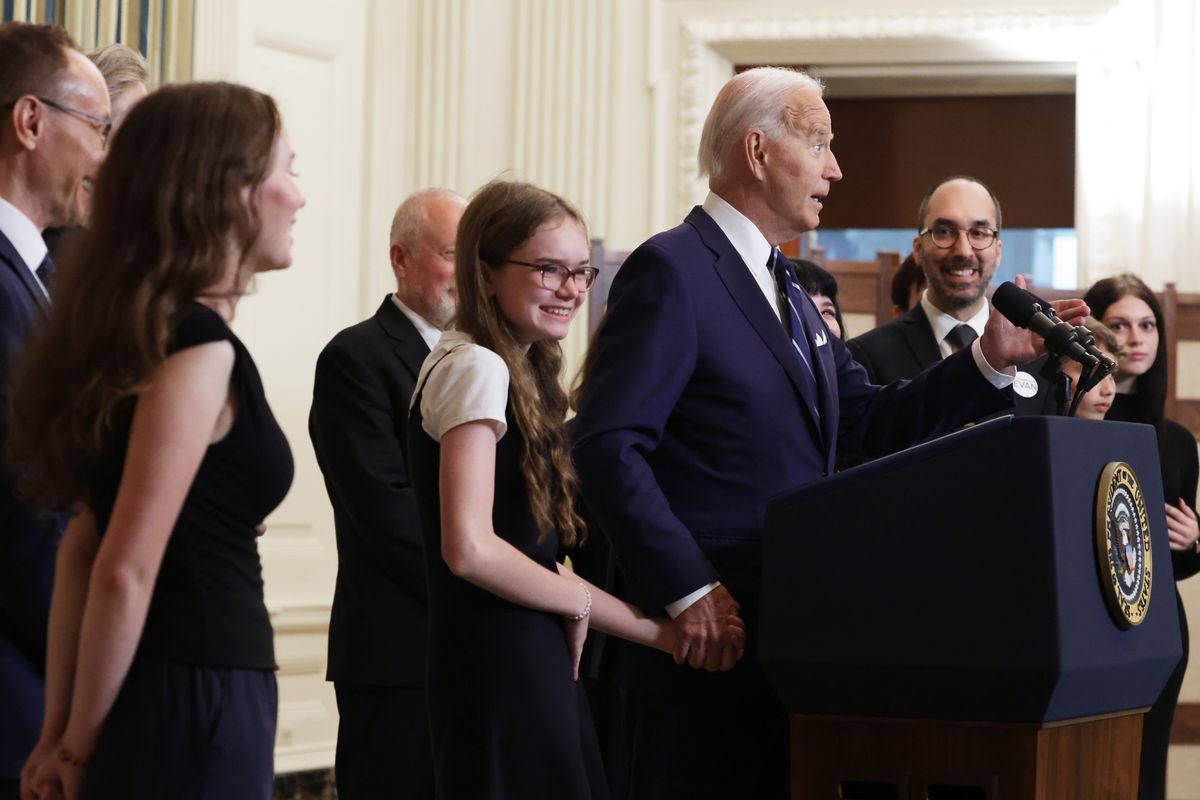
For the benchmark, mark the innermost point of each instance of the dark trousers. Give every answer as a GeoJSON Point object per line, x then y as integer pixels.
{"type": "Point", "coordinates": [383, 746]}
{"type": "Point", "coordinates": [1156, 727]}
{"type": "Point", "coordinates": [179, 732]}
{"type": "Point", "coordinates": [711, 744]}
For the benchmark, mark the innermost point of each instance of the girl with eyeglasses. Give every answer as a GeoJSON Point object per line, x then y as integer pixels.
{"type": "Point", "coordinates": [1127, 306]}
{"type": "Point", "coordinates": [491, 464]}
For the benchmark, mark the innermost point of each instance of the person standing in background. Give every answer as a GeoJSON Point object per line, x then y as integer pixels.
{"type": "Point", "coordinates": [125, 74]}
{"type": "Point", "coordinates": [359, 428]}
{"type": "Point", "coordinates": [54, 118]}
{"type": "Point", "coordinates": [1127, 306]}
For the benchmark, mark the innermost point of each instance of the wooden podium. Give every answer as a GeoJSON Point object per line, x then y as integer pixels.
{"type": "Point", "coordinates": [935, 620]}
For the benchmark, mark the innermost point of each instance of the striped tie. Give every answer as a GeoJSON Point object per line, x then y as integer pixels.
{"type": "Point", "coordinates": [789, 290]}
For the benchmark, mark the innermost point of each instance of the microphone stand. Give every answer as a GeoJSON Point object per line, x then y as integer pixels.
{"type": "Point", "coordinates": [1060, 383]}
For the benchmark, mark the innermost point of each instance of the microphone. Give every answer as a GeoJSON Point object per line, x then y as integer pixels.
{"type": "Point", "coordinates": [1025, 310]}
{"type": "Point", "coordinates": [1086, 339]}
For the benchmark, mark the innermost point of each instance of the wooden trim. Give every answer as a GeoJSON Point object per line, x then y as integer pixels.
{"type": "Point", "coordinates": [1187, 414]}
{"type": "Point", "coordinates": [1186, 728]}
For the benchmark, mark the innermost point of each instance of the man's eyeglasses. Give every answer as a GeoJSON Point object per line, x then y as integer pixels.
{"type": "Point", "coordinates": [101, 125]}
{"type": "Point", "coordinates": [555, 275]}
{"type": "Point", "coordinates": [946, 236]}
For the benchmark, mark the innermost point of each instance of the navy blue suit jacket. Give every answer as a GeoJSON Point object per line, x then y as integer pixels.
{"type": "Point", "coordinates": [28, 541]}
{"type": "Point", "coordinates": [694, 415]}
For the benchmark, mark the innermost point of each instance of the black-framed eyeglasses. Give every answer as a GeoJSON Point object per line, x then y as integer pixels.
{"type": "Point", "coordinates": [554, 275]}
{"type": "Point", "coordinates": [101, 125]}
{"type": "Point", "coordinates": [946, 236]}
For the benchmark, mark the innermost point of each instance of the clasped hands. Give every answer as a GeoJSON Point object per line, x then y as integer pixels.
{"type": "Point", "coordinates": [709, 634]}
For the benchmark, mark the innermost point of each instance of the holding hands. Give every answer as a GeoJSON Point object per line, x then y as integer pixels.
{"type": "Point", "coordinates": [709, 634]}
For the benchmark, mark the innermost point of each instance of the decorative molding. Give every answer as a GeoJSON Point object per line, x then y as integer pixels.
{"type": "Point", "coordinates": [215, 40]}
{"type": "Point", "coordinates": [708, 47]}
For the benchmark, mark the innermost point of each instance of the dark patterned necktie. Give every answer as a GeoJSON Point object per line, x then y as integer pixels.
{"type": "Point", "coordinates": [961, 336]}
{"type": "Point", "coordinates": [45, 273]}
{"type": "Point", "coordinates": [789, 290]}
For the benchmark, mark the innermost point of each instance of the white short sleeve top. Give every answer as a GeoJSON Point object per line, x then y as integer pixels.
{"type": "Point", "coordinates": [469, 384]}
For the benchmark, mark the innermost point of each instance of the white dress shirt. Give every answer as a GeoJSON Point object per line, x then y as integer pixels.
{"type": "Point", "coordinates": [429, 332]}
{"type": "Point", "coordinates": [942, 323]}
{"type": "Point", "coordinates": [25, 237]}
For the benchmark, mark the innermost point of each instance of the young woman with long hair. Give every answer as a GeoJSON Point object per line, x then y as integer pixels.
{"type": "Point", "coordinates": [138, 410]}
{"type": "Point", "coordinates": [491, 464]}
{"type": "Point", "coordinates": [1127, 306]}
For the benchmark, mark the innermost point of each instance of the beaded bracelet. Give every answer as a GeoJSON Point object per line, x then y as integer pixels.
{"type": "Point", "coordinates": [587, 608]}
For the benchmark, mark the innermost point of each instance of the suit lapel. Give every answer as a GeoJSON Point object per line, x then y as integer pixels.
{"type": "Point", "coordinates": [8, 254]}
{"type": "Point", "coordinates": [409, 347]}
{"type": "Point", "coordinates": [918, 333]}
{"type": "Point", "coordinates": [748, 297]}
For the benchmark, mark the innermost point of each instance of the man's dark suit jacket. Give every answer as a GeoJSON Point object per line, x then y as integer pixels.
{"type": "Point", "coordinates": [900, 349]}
{"type": "Point", "coordinates": [695, 415]}
{"type": "Point", "coordinates": [358, 424]}
{"type": "Point", "coordinates": [28, 541]}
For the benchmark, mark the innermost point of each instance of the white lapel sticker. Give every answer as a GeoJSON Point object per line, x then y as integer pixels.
{"type": "Point", "coordinates": [820, 340]}
{"type": "Point", "coordinates": [1025, 384]}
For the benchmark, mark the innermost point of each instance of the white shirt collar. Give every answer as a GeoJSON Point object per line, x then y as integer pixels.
{"type": "Point", "coordinates": [25, 237]}
{"type": "Point", "coordinates": [743, 234]}
{"type": "Point", "coordinates": [749, 243]}
{"type": "Point", "coordinates": [429, 332]}
{"type": "Point", "coordinates": [942, 323]}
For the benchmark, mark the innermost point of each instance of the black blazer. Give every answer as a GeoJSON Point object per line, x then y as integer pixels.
{"type": "Point", "coordinates": [899, 349]}
{"type": "Point", "coordinates": [28, 539]}
{"type": "Point", "coordinates": [358, 424]}
{"type": "Point", "coordinates": [902, 348]}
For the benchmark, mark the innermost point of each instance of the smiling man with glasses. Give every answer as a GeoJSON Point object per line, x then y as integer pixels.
{"type": "Point", "coordinates": [958, 249]}
{"type": "Point", "coordinates": [54, 112]}
{"type": "Point", "coordinates": [101, 125]}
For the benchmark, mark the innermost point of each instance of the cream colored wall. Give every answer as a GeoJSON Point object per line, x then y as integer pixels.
{"type": "Point", "coordinates": [600, 100]}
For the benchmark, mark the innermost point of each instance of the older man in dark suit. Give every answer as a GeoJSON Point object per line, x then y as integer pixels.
{"type": "Point", "coordinates": [377, 631]}
{"type": "Point", "coordinates": [53, 129]}
{"type": "Point", "coordinates": [714, 388]}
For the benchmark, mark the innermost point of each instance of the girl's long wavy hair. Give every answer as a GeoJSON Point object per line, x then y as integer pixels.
{"type": "Point", "coordinates": [501, 217]}
{"type": "Point", "coordinates": [1150, 399]}
{"type": "Point", "coordinates": [170, 204]}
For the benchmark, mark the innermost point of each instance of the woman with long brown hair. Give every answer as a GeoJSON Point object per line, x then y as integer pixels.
{"type": "Point", "coordinates": [1127, 306]}
{"type": "Point", "coordinates": [491, 465]}
{"type": "Point", "coordinates": [138, 410]}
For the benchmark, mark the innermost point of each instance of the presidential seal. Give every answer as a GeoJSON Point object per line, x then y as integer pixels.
{"type": "Point", "coordinates": [1123, 544]}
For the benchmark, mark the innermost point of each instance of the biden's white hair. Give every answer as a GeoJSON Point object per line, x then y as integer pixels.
{"type": "Point", "coordinates": [755, 98]}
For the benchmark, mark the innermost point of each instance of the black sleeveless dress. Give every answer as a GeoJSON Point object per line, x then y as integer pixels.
{"type": "Point", "coordinates": [1180, 473]}
{"type": "Point", "coordinates": [195, 716]}
{"type": "Point", "coordinates": [506, 718]}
